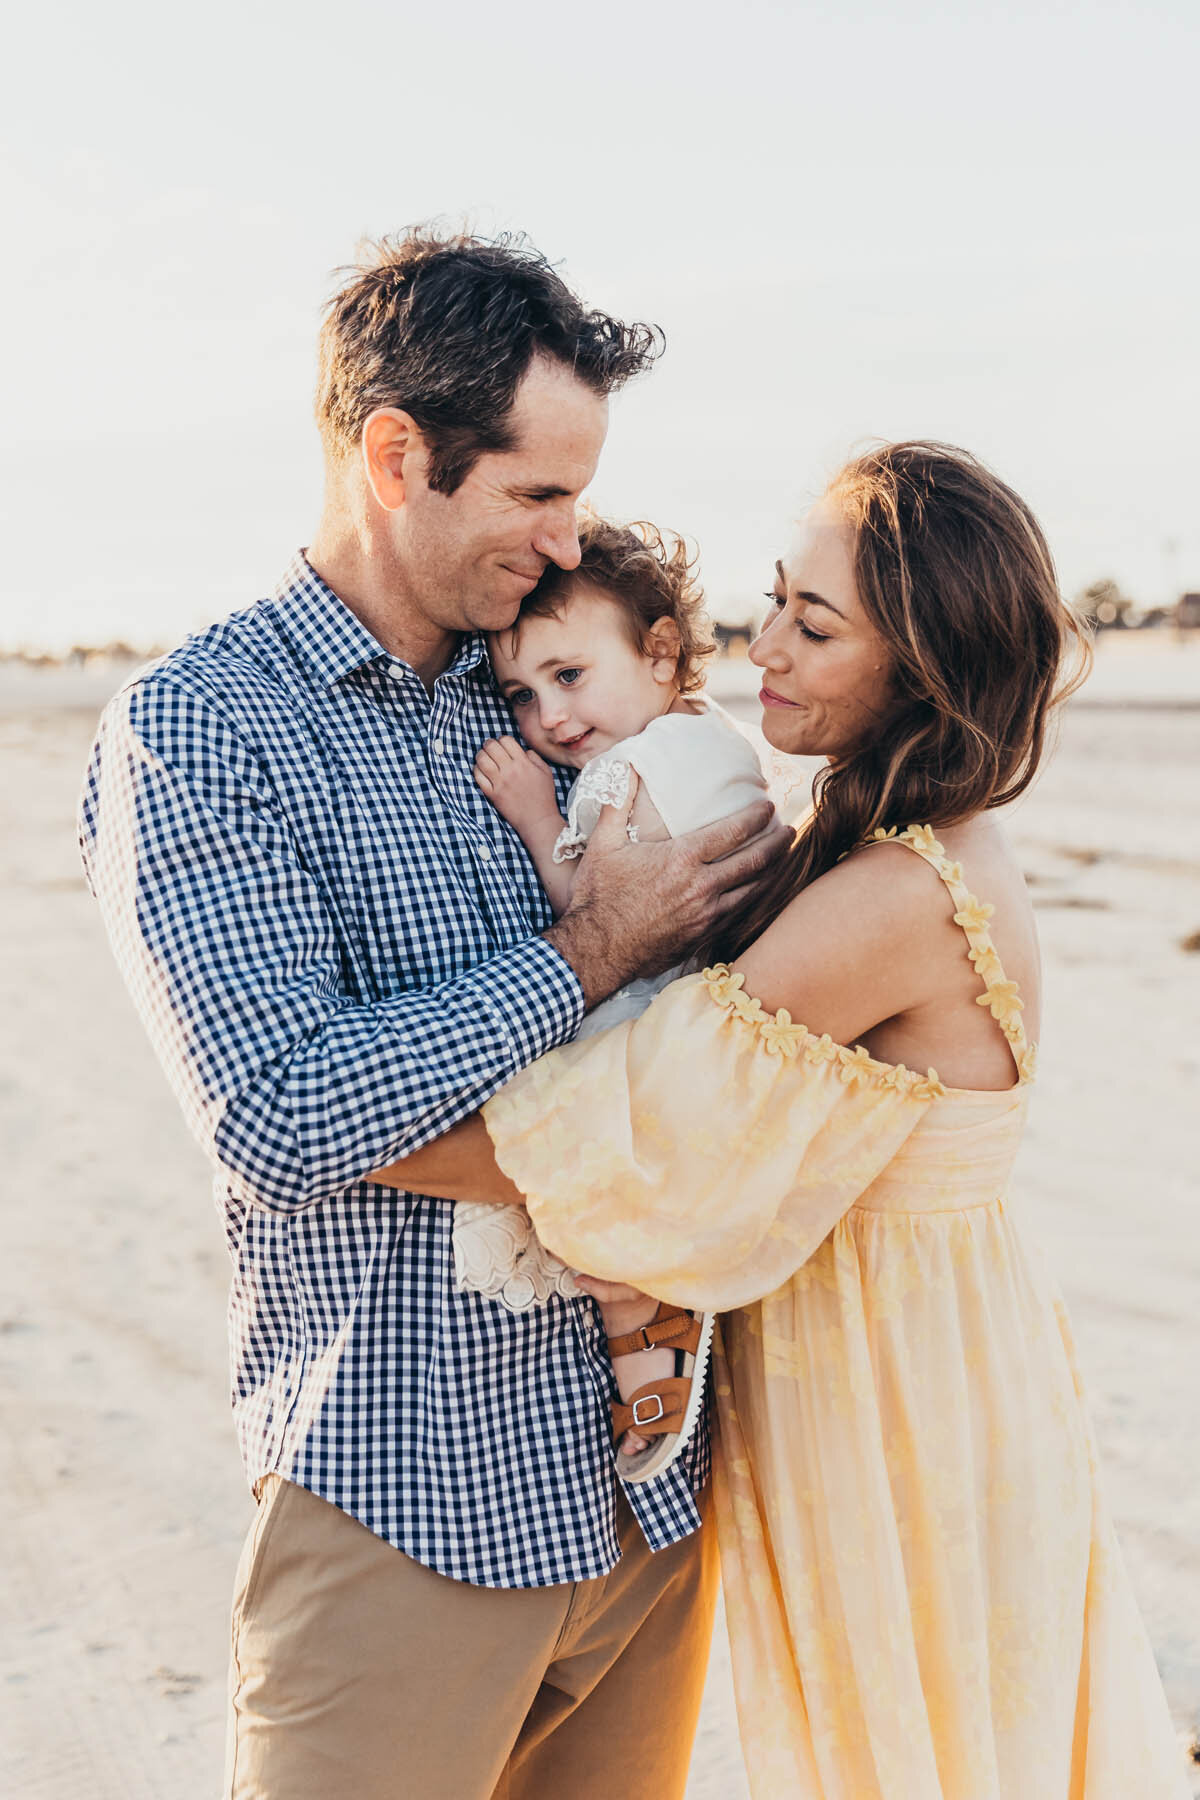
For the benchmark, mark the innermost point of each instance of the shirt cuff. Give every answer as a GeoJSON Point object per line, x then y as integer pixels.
{"type": "Point", "coordinates": [536, 996]}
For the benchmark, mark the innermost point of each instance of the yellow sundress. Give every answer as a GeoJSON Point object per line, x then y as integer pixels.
{"type": "Point", "coordinates": [925, 1597]}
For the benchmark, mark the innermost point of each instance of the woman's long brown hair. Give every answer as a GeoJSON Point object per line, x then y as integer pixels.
{"type": "Point", "coordinates": [955, 575]}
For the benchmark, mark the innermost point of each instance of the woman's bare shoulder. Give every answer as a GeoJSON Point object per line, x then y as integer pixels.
{"type": "Point", "coordinates": [848, 951]}
{"type": "Point", "coordinates": [883, 880]}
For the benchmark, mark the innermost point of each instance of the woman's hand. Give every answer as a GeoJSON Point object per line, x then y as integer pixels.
{"type": "Point", "coordinates": [613, 1293]}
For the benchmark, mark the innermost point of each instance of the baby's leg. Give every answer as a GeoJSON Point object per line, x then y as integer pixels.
{"type": "Point", "coordinates": [623, 1309]}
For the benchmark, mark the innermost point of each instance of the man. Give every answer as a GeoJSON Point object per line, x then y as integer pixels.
{"type": "Point", "coordinates": [340, 950]}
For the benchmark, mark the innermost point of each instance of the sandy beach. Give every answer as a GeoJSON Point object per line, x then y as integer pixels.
{"type": "Point", "coordinates": [123, 1501]}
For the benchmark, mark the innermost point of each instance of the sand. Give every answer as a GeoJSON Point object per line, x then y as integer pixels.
{"type": "Point", "coordinates": [123, 1501]}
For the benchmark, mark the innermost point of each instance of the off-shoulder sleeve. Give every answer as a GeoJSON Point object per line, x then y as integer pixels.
{"type": "Point", "coordinates": [704, 1150]}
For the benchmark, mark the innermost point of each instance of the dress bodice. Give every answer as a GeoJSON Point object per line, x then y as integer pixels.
{"type": "Point", "coordinates": [961, 1152]}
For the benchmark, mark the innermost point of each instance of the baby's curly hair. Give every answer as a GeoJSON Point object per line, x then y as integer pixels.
{"type": "Point", "coordinates": [650, 575]}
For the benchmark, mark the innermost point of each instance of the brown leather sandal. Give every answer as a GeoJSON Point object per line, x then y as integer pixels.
{"type": "Point", "coordinates": [665, 1410]}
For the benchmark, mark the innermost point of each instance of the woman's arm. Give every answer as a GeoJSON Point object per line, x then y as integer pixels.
{"type": "Point", "coordinates": [460, 1165]}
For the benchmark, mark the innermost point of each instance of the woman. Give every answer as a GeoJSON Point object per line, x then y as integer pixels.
{"type": "Point", "coordinates": [925, 1598]}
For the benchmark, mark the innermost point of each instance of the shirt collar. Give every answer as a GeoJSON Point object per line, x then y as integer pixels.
{"type": "Point", "coordinates": [330, 641]}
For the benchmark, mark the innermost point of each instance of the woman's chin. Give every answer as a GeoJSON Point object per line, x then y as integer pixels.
{"type": "Point", "coordinates": [785, 731]}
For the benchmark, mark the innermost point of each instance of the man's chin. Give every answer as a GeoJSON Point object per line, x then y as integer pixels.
{"type": "Point", "coordinates": [498, 610]}
{"type": "Point", "coordinates": [491, 615]}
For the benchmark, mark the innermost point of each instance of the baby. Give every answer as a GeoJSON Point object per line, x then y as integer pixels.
{"type": "Point", "coordinates": [603, 673]}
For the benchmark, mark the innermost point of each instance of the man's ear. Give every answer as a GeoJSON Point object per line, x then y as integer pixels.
{"type": "Point", "coordinates": [663, 644]}
{"type": "Point", "coordinates": [393, 452]}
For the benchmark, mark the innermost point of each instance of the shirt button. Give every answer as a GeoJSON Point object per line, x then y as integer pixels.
{"type": "Point", "coordinates": [396, 672]}
{"type": "Point", "coordinates": [485, 854]}
{"type": "Point", "coordinates": [439, 746]}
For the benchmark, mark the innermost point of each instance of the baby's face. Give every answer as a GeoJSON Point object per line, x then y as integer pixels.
{"type": "Point", "coordinates": [577, 683]}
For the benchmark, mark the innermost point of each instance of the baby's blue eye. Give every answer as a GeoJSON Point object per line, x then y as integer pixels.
{"type": "Point", "coordinates": [521, 697]}
{"type": "Point", "coordinates": [569, 677]}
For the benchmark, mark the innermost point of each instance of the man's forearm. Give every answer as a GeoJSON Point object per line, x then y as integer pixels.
{"type": "Point", "coordinates": [374, 1079]}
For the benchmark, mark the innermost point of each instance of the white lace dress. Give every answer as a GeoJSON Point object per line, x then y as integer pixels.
{"type": "Point", "coordinates": [696, 768]}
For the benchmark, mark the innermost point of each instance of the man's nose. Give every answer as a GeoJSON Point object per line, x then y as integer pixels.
{"type": "Point", "coordinates": [558, 537]}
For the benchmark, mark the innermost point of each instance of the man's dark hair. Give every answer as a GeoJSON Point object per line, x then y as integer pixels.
{"type": "Point", "coordinates": [444, 328]}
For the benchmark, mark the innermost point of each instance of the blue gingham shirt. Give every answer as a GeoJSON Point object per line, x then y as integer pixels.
{"type": "Point", "coordinates": [330, 935]}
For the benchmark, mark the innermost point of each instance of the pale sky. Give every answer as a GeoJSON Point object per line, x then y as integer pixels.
{"type": "Point", "coordinates": [853, 221]}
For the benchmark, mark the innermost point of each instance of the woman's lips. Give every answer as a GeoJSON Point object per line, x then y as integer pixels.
{"type": "Point", "coordinates": [770, 699]}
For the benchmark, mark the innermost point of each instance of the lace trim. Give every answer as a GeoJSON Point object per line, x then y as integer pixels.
{"type": "Point", "coordinates": [780, 1037]}
{"type": "Point", "coordinates": [497, 1253]}
{"type": "Point", "coordinates": [602, 782]}
{"type": "Point", "coordinates": [569, 844]}
{"type": "Point", "coordinates": [1001, 996]}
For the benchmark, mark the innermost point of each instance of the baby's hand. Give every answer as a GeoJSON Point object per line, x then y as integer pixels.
{"type": "Point", "coordinates": [516, 781]}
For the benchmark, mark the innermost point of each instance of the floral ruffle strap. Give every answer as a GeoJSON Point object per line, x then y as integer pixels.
{"type": "Point", "coordinates": [780, 1037]}
{"type": "Point", "coordinates": [1000, 995]}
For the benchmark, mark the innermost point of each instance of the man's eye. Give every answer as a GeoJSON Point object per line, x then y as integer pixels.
{"type": "Point", "coordinates": [569, 677]}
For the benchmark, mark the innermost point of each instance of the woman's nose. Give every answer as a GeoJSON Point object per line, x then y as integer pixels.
{"type": "Point", "coordinates": [767, 650]}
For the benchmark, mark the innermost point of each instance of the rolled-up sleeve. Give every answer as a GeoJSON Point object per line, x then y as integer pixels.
{"type": "Point", "coordinates": [233, 954]}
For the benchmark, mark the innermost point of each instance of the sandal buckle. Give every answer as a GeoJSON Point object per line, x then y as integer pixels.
{"type": "Point", "coordinates": [649, 1418]}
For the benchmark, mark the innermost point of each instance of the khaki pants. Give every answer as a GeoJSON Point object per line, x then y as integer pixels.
{"type": "Point", "coordinates": [358, 1674]}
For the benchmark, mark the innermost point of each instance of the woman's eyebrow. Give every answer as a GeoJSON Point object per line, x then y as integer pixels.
{"type": "Point", "coordinates": [806, 595]}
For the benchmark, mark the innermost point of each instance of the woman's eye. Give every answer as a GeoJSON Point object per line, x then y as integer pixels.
{"type": "Point", "coordinates": [817, 637]}
{"type": "Point", "coordinates": [569, 677]}
{"type": "Point", "coordinates": [776, 599]}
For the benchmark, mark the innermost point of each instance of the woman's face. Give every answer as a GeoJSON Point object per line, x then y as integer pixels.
{"type": "Point", "coordinates": [827, 678]}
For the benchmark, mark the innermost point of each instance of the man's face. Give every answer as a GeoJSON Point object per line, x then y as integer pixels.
{"type": "Point", "coordinates": [469, 558]}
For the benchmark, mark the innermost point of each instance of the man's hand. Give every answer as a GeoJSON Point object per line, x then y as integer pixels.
{"type": "Point", "coordinates": [638, 908]}
{"type": "Point", "coordinates": [518, 783]}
